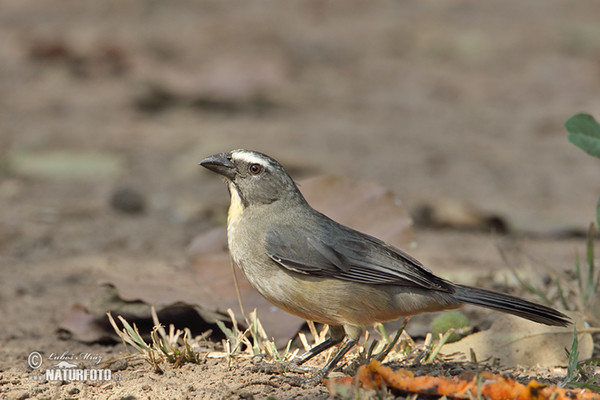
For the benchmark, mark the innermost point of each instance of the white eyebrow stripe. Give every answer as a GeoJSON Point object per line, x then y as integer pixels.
{"type": "Point", "coordinates": [248, 157]}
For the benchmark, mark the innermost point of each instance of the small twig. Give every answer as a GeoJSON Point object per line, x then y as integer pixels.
{"type": "Point", "coordinates": [237, 288]}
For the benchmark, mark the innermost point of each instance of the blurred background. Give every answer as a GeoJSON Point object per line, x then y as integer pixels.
{"type": "Point", "coordinates": [108, 106]}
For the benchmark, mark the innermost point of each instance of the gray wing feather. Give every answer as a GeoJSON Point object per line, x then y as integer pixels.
{"type": "Point", "coordinates": [355, 257]}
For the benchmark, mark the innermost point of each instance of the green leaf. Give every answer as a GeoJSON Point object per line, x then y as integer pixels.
{"type": "Point", "coordinates": [228, 332]}
{"type": "Point", "coordinates": [572, 370]}
{"type": "Point", "coordinates": [590, 261]}
{"type": "Point", "coordinates": [584, 132]}
{"type": "Point", "coordinates": [578, 274]}
{"type": "Point", "coordinates": [561, 293]}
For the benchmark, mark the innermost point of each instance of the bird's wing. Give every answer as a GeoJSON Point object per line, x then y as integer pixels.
{"type": "Point", "coordinates": [350, 256]}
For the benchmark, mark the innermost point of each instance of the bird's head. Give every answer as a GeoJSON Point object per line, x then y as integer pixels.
{"type": "Point", "coordinates": [255, 177]}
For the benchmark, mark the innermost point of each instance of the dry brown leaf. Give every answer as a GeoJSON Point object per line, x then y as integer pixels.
{"type": "Point", "coordinates": [515, 341]}
{"type": "Point", "coordinates": [82, 325]}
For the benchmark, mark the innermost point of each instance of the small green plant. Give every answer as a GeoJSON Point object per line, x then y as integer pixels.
{"type": "Point", "coordinates": [176, 347]}
{"type": "Point", "coordinates": [588, 281]}
{"type": "Point", "coordinates": [581, 290]}
{"type": "Point", "coordinates": [584, 132]}
{"type": "Point", "coordinates": [580, 374]}
{"type": "Point", "coordinates": [405, 349]}
{"type": "Point", "coordinates": [573, 360]}
{"type": "Point", "coordinates": [451, 320]}
{"type": "Point", "coordinates": [431, 348]}
{"type": "Point", "coordinates": [389, 345]}
{"type": "Point", "coordinates": [251, 341]}
{"type": "Point", "coordinates": [379, 349]}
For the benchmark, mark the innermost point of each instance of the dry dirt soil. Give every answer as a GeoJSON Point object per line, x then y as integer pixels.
{"type": "Point", "coordinates": [455, 101]}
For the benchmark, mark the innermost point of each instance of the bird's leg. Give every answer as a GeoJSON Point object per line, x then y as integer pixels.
{"type": "Point", "coordinates": [346, 346]}
{"type": "Point", "coordinates": [321, 347]}
{"type": "Point", "coordinates": [314, 380]}
{"type": "Point", "coordinates": [349, 334]}
{"type": "Point", "coordinates": [352, 334]}
{"type": "Point", "coordinates": [336, 335]}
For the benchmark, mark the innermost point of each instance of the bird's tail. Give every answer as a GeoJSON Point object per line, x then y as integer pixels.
{"type": "Point", "coordinates": [510, 304]}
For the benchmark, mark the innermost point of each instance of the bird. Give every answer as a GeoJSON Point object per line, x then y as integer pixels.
{"type": "Point", "coordinates": [311, 266]}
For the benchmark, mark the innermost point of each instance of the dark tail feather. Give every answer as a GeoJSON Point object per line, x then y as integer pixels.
{"type": "Point", "coordinates": [510, 304]}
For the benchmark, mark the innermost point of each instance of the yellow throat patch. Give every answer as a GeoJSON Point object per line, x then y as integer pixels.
{"type": "Point", "coordinates": [235, 207]}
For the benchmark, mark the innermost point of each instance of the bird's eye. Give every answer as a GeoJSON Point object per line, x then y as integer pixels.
{"type": "Point", "coordinates": [255, 169]}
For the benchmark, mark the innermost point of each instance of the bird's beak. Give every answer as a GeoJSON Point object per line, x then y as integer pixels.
{"type": "Point", "coordinates": [221, 164]}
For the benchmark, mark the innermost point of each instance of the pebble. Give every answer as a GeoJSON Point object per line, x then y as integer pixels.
{"type": "Point", "coordinates": [128, 200]}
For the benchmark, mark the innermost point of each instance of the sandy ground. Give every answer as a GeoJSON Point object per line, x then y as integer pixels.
{"type": "Point", "coordinates": [438, 101]}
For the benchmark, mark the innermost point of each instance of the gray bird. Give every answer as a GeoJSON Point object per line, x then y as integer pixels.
{"type": "Point", "coordinates": [313, 267]}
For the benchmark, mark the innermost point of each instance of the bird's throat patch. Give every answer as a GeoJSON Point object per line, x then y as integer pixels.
{"type": "Point", "coordinates": [236, 206]}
